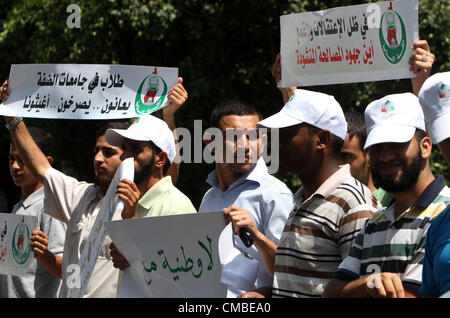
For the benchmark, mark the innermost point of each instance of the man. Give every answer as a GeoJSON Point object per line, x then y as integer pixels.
{"type": "Point", "coordinates": [434, 98]}
{"type": "Point", "coordinates": [353, 153]}
{"type": "Point", "coordinates": [78, 203]}
{"type": "Point", "coordinates": [47, 240]}
{"type": "Point", "coordinates": [329, 208]}
{"type": "Point", "coordinates": [391, 245]}
{"type": "Point", "coordinates": [247, 192]}
{"type": "Point", "coordinates": [150, 142]}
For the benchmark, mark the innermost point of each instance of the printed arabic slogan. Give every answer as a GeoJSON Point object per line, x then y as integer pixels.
{"type": "Point", "coordinates": [172, 256]}
{"type": "Point", "coordinates": [369, 42]}
{"type": "Point", "coordinates": [87, 91]}
{"type": "Point", "coordinates": [15, 251]}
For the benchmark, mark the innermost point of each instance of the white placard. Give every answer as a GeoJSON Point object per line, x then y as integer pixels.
{"type": "Point", "coordinates": [170, 256]}
{"type": "Point", "coordinates": [111, 206]}
{"type": "Point", "coordinates": [368, 42]}
{"type": "Point", "coordinates": [15, 251]}
{"type": "Point", "coordinates": [87, 91]}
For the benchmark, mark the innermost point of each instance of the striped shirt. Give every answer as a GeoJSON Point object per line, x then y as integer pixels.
{"type": "Point", "coordinates": [396, 245]}
{"type": "Point", "coordinates": [319, 233]}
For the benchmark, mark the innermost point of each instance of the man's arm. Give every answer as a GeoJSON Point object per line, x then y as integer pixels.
{"type": "Point", "coordinates": [30, 153]}
{"type": "Point", "coordinates": [378, 285]}
{"type": "Point", "coordinates": [242, 219]}
{"type": "Point", "coordinates": [263, 292]}
{"type": "Point", "coordinates": [177, 96]}
{"type": "Point", "coordinates": [286, 92]}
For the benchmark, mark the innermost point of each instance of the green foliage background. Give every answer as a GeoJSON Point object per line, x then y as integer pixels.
{"type": "Point", "coordinates": [224, 49]}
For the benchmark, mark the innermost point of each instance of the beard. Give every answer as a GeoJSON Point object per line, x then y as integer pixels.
{"type": "Point", "coordinates": [144, 172]}
{"type": "Point", "coordinates": [408, 177]}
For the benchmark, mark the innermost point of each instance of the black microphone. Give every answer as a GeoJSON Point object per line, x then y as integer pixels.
{"type": "Point", "coordinates": [246, 237]}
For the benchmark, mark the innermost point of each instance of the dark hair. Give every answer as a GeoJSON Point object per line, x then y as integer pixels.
{"type": "Point", "coordinates": [356, 126]}
{"type": "Point", "coordinates": [156, 149]}
{"type": "Point", "coordinates": [419, 135]}
{"type": "Point", "coordinates": [111, 125]}
{"type": "Point", "coordinates": [43, 139]}
{"type": "Point", "coordinates": [231, 107]}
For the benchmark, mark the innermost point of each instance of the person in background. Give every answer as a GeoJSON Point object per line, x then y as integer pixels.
{"type": "Point", "coordinates": [43, 277]}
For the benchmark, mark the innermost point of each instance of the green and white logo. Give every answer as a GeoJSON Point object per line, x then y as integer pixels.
{"type": "Point", "coordinates": [152, 87]}
{"type": "Point", "coordinates": [392, 36]}
{"type": "Point", "coordinates": [21, 243]}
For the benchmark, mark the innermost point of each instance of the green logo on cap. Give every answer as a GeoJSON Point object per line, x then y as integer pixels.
{"type": "Point", "coordinates": [147, 93]}
{"type": "Point", "coordinates": [392, 36]}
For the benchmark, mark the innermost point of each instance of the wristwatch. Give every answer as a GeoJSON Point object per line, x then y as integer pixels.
{"type": "Point", "coordinates": [13, 123]}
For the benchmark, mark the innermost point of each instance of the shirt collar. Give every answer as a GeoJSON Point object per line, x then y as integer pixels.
{"type": "Point", "coordinates": [32, 198]}
{"type": "Point", "coordinates": [254, 174]}
{"type": "Point", "coordinates": [430, 193]}
{"type": "Point", "coordinates": [341, 175]}
{"type": "Point", "coordinates": [155, 191]}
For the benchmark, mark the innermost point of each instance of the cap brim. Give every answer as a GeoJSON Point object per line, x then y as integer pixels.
{"type": "Point", "coordinates": [389, 133]}
{"type": "Point", "coordinates": [278, 120]}
{"type": "Point", "coordinates": [439, 129]}
{"type": "Point", "coordinates": [115, 137]}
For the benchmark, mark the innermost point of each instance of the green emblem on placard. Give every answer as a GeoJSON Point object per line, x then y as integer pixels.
{"type": "Point", "coordinates": [21, 243]}
{"type": "Point", "coordinates": [147, 93]}
{"type": "Point", "coordinates": [392, 38]}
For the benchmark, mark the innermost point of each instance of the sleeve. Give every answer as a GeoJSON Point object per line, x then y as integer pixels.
{"type": "Point", "coordinates": [62, 194]}
{"type": "Point", "coordinates": [350, 225]}
{"type": "Point", "coordinates": [412, 277]}
{"type": "Point", "coordinates": [278, 211]}
{"type": "Point", "coordinates": [350, 268]}
{"type": "Point", "coordinates": [429, 286]}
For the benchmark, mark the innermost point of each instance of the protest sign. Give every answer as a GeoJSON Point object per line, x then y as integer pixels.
{"type": "Point", "coordinates": [170, 256]}
{"type": "Point", "coordinates": [111, 207]}
{"type": "Point", "coordinates": [87, 91]}
{"type": "Point", "coordinates": [368, 42]}
{"type": "Point", "coordinates": [15, 251]}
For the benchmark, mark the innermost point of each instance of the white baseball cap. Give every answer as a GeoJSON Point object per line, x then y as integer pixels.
{"type": "Point", "coordinates": [434, 97]}
{"type": "Point", "coordinates": [314, 108]}
{"type": "Point", "coordinates": [393, 118]}
{"type": "Point", "coordinates": [146, 128]}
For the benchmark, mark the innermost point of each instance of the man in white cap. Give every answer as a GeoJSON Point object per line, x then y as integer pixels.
{"type": "Point", "coordinates": [435, 100]}
{"type": "Point", "coordinates": [151, 143]}
{"type": "Point", "coordinates": [391, 245]}
{"type": "Point", "coordinates": [330, 207]}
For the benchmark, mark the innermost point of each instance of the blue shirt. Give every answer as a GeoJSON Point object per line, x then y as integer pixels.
{"type": "Point", "coordinates": [269, 202]}
{"type": "Point", "coordinates": [436, 266]}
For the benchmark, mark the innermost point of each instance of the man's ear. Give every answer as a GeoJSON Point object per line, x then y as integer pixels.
{"type": "Point", "coordinates": [426, 146]}
{"type": "Point", "coordinates": [323, 139]}
{"type": "Point", "coordinates": [50, 160]}
{"type": "Point", "coordinates": [161, 159]}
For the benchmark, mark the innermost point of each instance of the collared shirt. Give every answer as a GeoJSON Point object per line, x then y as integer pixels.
{"type": "Point", "coordinates": [396, 245]}
{"type": "Point", "coordinates": [163, 198]}
{"type": "Point", "coordinates": [77, 204]}
{"type": "Point", "coordinates": [269, 202]}
{"type": "Point", "coordinates": [319, 233]}
{"type": "Point", "coordinates": [436, 269]}
{"type": "Point", "coordinates": [37, 282]}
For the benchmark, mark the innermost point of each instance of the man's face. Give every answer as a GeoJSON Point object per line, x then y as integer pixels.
{"type": "Point", "coordinates": [396, 166]}
{"type": "Point", "coordinates": [243, 150]}
{"type": "Point", "coordinates": [106, 161]}
{"type": "Point", "coordinates": [357, 159]}
{"type": "Point", "coordinates": [143, 156]}
{"type": "Point", "coordinates": [295, 148]}
{"type": "Point", "coordinates": [20, 174]}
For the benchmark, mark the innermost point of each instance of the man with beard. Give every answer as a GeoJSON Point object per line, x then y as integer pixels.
{"type": "Point", "coordinates": [151, 143]}
{"type": "Point", "coordinates": [248, 194]}
{"type": "Point", "coordinates": [386, 257]}
{"type": "Point", "coordinates": [330, 207]}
